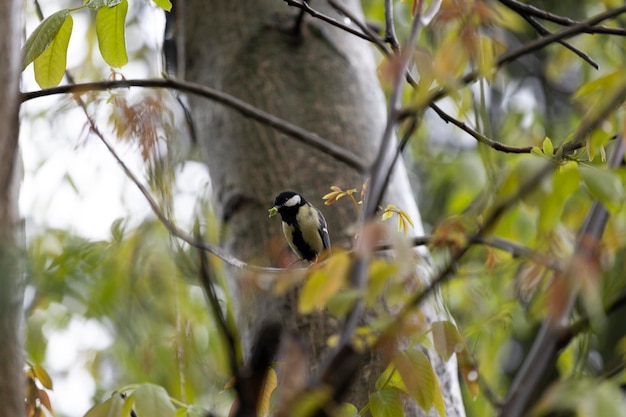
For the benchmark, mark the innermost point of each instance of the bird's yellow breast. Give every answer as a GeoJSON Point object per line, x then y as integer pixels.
{"type": "Point", "coordinates": [309, 225]}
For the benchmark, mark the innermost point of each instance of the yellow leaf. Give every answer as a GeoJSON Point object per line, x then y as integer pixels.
{"type": "Point", "coordinates": [379, 274]}
{"type": "Point", "coordinates": [324, 283]}
{"type": "Point", "coordinates": [42, 376]}
{"type": "Point", "coordinates": [268, 388]}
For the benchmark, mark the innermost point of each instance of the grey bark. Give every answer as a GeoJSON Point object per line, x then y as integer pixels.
{"type": "Point", "coordinates": [11, 288]}
{"type": "Point", "coordinates": [325, 81]}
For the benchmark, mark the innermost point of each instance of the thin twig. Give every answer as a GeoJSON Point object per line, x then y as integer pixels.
{"type": "Point", "coordinates": [574, 28]}
{"type": "Point", "coordinates": [325, 18]}
{"type": "Point", "coordinates": [385, 155]}
{"type": "Point", "coordinates": [543, 31]}
{"type": "Point", "coordinates": [311, 139]}
{"type": "Point", "coordinates": [480, 138]}
{"type": "Point", "coordinates": [169, 225]}
{"type": "Point", "coordinates": [520, 8]}
{"type": "Point", "coordinates": [390, 29]}
{"type": "Point", "coordinates": [514, 249]}
{"type": "Point", "coordinates": [557, 36]}
{"type": "Point", "coordinates": [373, 37]}
{"type": "Point", "coordinates": [505, 58]}
{"type": "Point", "coordinates": [208, 283]}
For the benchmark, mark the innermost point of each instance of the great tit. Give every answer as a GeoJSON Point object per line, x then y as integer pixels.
{"type": "Point", "coordinates": [303, 225]}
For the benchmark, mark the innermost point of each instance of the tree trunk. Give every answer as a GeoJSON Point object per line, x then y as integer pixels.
{"type": "Point", "coordinates": [11, 286]}
{"type": "Point", "coordinates": [323, 80]}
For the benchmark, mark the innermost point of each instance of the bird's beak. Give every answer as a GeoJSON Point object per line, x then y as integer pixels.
{"type": "Point", "coordinates": [273, 211]}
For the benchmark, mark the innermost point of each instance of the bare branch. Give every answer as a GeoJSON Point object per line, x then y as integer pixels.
{"type": "Point", "coordinates": [244, 108]}
{"type": "Point", "coordinates": [208, 282]}
{"type": "Point", "coordinates": [373, 37]}
{"type": "Point", "coordinates": [543, 31]}
{"type": "Point", "coordinates": [385, 157]}
{"type": "Point", "coordinates": [303, 5]}
{"type": "Point", "coordinates": [527, 9]}
{"type": "Point", "coordinates": [480, 138]}
{"type": "Point", "coordinates": [390, 29]}
{"type": "Point", "coordinates": [527, 48]}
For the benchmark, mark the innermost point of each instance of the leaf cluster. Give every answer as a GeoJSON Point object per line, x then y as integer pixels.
{"type": "Point", "coordinates": [47, 44]}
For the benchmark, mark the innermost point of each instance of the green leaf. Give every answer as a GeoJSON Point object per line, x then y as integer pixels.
{"type": "Point", "coordinates": [346, 410]}
{"type": "Point", "coordinates": [587, 397]}
{"type": "Point", "coordinates": [420, 379]}
{"type": "Point", "coordinates": [599, 85]}
{"type": "Point", "coordinates": [390, 378]}
{"type": "Point", "coordinates": [193, 411]}
{"type": "Point", "coordinates": [606, 401]}
{"type": "Point", "coordinates": [603, 184]}
{"type": "Point", "coordinates": [164, 4]}
{"type": "Point", "coordinates": [43, 36]}
{"type": "Point", "coordinates": [50, 65]}
{"type": "Point", "coordinates": [309, 402]}
{"type": "Point", "coordinates": [341, 303]}
{"type": "Point", "coordinates": [386, 403]}
{"type": "Point", "coordinates": [96, 4]}
{"type": "Point", "coordinates": [564, 182]}
{"type": "Point", "coordinates": [152, 401]}
{"type": "Point", "coordinates": [547, 147]}
{"type": "Point", "coordinates": [112, 407]}
{"type": "Point", "coordinates": [110, 28]}
{"type": "Point", "coordinates": [447, 339]}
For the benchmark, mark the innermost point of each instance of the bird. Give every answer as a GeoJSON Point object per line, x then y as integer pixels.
{"type": "Point", "coordinates": [304, 226]}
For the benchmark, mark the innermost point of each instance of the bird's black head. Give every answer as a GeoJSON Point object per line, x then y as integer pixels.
{"type": "Point", "coordinates": [289, 199]}
{"type": "Point", "coordinates": [287, 202]}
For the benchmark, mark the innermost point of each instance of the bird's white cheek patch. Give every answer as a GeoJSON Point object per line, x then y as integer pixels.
{"type": "Point", "coordinates": [293, 201]}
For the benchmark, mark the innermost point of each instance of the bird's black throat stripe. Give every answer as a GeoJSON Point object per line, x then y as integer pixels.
{"type": "Point", "coordinates": [305, 250]}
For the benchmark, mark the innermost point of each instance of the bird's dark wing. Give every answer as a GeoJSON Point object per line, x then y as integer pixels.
{"type": "Point", "coordinates": [324, 232]}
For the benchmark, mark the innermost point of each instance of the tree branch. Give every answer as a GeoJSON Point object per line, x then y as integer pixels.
{"type": "Point", "coordinates": [570, 31]}
{"type": "Point", "coordinates": [480, 138]}
{"type": "Point", "coordinates": [331, 21]}
{"type": "Point", "coordinates": [372, 37]}
{"type": "Point", "coordinates": [244, 108]}
{"type": "Point", "coordinates": [543, 31]}
{"type": "Point", "coordinates": [390, 29]}
{"type": "Point", "coordinates": [527, 9]}
{"type": "Point", "coordinates": [206, 278]}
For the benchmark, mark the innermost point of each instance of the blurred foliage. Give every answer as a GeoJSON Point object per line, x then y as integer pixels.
{"type": "Point", "coordinates": [141, 286]}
